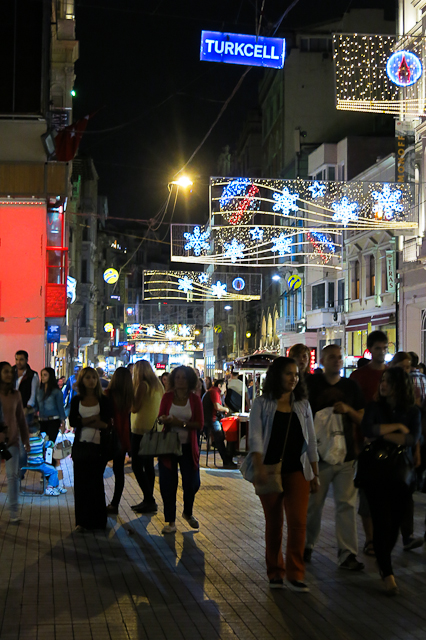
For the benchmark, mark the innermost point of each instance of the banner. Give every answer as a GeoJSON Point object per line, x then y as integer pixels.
{"type": "Point", "coordinates": [390, 271]}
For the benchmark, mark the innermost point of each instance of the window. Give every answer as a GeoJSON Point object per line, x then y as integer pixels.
{"type": "Point", "coordinates": [340, 293]}
{"type": "Point", "coordinates": [84, 270]}
{"type": "Point", "coordinates": [331, 294]}
{"type": "Point", "coordinates": [318, 296]}
{"type": "Point", "coordinates": [331, 173]}
{"type": "Point", "coordinates": [371, 280]}
{"type": "Point", "coordinates": [355, 280]}
{"type": "Point", "coordinates": [85, 230]}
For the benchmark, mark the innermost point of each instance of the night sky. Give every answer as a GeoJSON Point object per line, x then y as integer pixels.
{"type": "Point", "coordinates": [139, 65]}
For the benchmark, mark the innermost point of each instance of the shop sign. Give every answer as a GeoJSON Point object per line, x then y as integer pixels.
{"type": "Point", "coordinates": [390, 272]}
{"type": "Point", "coordinates": [235, 48]}
{"type": "Point", "coordinates": [53, 333]}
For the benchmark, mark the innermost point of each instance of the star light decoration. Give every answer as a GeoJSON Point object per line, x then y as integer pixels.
{"type": "Point", "coordinates": [317, 190]}
{"type": "Point", "coordinates": [197, 241]}
{"type": "Point", "coordinates": [234, 250]}
{"type": "Point", "coordinates": [387, 202]}
{"type": "Point", "coordinates": [345, 211]}
{"type": "Point", "coordinates": [219, 289]}
{"type": "Point", "coordinates": [185, 284]}
{"type": "Point", "coordinates": [282, 244]}
{"type": "Point", "coordinates": [160, 327]}
{"type": "Point", "coordinates": [184, 330]}
{"type": "Point", "coordinates": [322, 244]}
{"type": "Point", "coordinates": [257, 233]}
{"type": "Point", "coordinates": [203, 278]}
{"type": "Point", "coordinates": [285, 201]}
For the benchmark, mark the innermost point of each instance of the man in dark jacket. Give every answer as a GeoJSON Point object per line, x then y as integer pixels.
{"type": "Point", "coordinates": [26, 382]}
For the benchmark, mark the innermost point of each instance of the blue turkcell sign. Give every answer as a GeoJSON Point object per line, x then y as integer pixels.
{"type": "Point", "coordinates": [53, 333]}
{"type": "Point", "coordinates": [235, 48]}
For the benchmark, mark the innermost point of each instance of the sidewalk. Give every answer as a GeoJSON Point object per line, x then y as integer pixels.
{"type": "Point", "coordinates": [133, 583]}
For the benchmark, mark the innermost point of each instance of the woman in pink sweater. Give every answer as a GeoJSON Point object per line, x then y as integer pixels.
{"type": "Point", "coordinates": [181, 411]}
{"type": "Point", "coordinates": [15, 425]}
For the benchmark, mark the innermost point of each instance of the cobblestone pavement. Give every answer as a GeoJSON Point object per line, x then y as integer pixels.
{"type": "Point", "coordinates": [133, 583]}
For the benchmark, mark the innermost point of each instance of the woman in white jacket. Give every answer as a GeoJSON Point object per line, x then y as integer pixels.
{"type": "Point", "coordinates": [284, 454]}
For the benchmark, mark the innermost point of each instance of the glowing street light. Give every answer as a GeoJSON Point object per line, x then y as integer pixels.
{"type": "Point", "coordinates": [183, 181]}
{"type": "Point", "coordinates": [276, 277]}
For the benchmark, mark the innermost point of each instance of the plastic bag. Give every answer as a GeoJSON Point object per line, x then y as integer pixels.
{"type": "Point", "coordinates": [330, 435]}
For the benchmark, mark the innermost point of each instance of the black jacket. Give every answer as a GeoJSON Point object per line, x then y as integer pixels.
{"type": "Point", "coordinates": [25, 386]}
{"type": "Point", "coordinates": [106, 414]}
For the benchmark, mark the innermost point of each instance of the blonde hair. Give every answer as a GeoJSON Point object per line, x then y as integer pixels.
{"type": "Point", "coordinates": [145, 381]}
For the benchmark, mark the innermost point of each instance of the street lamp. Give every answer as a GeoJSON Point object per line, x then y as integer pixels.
{"type": "Point", "coordinates": [227, 307]}
{"type": "Point", "coordinates": [183, 181]}
{"type": "Point", "coordinates": [276, 277]}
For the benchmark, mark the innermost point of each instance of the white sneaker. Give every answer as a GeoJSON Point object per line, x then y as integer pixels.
{"type": "Point", "coordinates": [52, 491]}
{"type": "Point", "coordinates": [62, 489]}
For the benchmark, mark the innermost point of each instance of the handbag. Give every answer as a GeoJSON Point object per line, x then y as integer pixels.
{"type": "Point", "coordinates": [382, 463]}
{"type": "Point", "coordinates": [331, 442]}
{"type": "Point", "coordinates": [160, 443]}
{"type": "Point", "coordinates": [62, 449]}
{"type": "Point", "coordinates": [274, 483]}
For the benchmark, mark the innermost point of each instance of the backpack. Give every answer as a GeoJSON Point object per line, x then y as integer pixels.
{"type": "Point", "coordinates": [330, 435]}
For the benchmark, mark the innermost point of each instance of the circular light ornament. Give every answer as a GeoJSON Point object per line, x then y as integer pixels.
{"type": "Point", "coordinates": [108, 327]}
{"type": "Point", "coordinates": [404, 68]}
{"type": "Point", "coordinates": [294, 282]}
{"type": "Point", "coordinates": [111, 276]}
{"type": "Point", "coordinates": [238, 284]}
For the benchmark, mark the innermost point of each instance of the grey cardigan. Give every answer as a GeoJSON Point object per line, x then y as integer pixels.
{"type": "Point", "coordinates": [260, 428]}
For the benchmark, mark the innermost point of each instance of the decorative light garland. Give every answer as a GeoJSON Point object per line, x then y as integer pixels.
{"type": "Point", "coordinates": [186, 285]}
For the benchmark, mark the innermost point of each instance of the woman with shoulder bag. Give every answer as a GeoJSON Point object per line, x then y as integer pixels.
{"type": "Point", "coordinates": [393, 422]}
{"type": "Point", "coordinates": [181, 411]}
{"type": "Point", "coordinates": [120, 392]}
{"type": "Point", "coordinates": [90, 416]}
{"type": "Point", "coordinates": [285, 460]}
{"type": "Point", "coordinates": [50, 405]}
{"type": "Point", "coordinates": [148, 392]}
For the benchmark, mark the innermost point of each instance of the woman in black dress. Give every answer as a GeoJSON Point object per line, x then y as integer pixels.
{"type": "Point", "coordinates": [90, 416]}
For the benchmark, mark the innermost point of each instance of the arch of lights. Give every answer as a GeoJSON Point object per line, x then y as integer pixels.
{"type": "Point", "coordinates": [197, 286]}
{"type": "Point", "coordinates": [268, 222]}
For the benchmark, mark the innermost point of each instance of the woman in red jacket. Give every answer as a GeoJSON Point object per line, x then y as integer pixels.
{"type": "Point", "coordinates": [181, 411]}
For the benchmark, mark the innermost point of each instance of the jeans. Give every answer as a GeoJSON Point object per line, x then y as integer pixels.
{"type": "Point", "coordinates": [341, 476]}
{"type": "Point", "coordinates": [388, 506]}
{"type": "Point", "coordinates": [143, 468]}
{"type": "Point", "coordinates": [218, 439]}
{"type": "Point", "coordinates": [50, 473]}
{"type": "Point", "coordinates": [294, 501]}
{"type": "Point", "coordinates": [169, 482]}
{"type": "Point", "coordinates": [13, 479]}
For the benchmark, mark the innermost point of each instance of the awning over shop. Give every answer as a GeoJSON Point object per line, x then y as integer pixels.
{"type": "Point", "coordinates": [383, 319]}
{"type": "Point", "coordinates": [358, 324]}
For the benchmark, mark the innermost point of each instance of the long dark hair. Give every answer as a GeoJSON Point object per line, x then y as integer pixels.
{"type": "Point", "coordinates": [80, 385]}
{"type": "Point", "coordinates": [402, 387]}
{"type": "Point", "coordinates": [190, 376]}
{"type": "Point", "coordinates": [121, 389]}
{"type": "Point", "coordinates": [273, 385]}
{"type": "Point", "coordinates": [9, 389]}
{"type": "Point", "coordinates": [52, 383]}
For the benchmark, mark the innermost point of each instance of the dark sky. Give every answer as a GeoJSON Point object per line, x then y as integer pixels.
{"type": "Point", "coordinates": [139, 65]}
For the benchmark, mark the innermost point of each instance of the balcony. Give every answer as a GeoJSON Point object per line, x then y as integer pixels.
{"type": "Point", "coordinates": [328, 317]}
{"type": "Point", "coordinates": [86, 336]}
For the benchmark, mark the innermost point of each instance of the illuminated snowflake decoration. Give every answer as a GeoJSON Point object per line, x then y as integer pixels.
{"type": "Point", "coordinates": [234, 250]}
{"type": "Point", "coordinates": [285, 201]}
{"type": "Point", "coordinates": [387, 204]}
{"type": "Point", "coordinates": [185, 284]}
{"type": "Point", "coordinates": [345, 211]}
{"type": "Point", "coordinates": [233, 189]}
{"type": "Point", "coordinates": [219, 289]}
{"type": "Point", "coordinates": [317, 190]}
{"type": "Point", "coordinates": [170, 335]}
{"type": "Point", "coordinates": [203, 278]}
{"type": "Point", "coordinates": [150, 331]}
{"type": "Point", "coordinates": [160, 327]}
{"type": "Point", "coordinates": [256, 233]}
{"type": "Point", "coordinates": [184, 331]}
{"type": "Point", "coordinates": [197, 241]}
{"type": "Point", "coordinates": [282, 244]}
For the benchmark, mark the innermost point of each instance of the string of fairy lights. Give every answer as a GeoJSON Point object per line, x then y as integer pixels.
{"type": "Point", "coordinates": [379, 73]}
{"type": "Point", "coordinates": [201, 286]}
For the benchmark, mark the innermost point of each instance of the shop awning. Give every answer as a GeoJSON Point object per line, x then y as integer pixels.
{"type": "Point", "coordinates": [383, 319]}
{"type": "Point", "coordinates": [358, 324]}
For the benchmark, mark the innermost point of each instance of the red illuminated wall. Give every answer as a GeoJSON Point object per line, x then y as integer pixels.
{"type": "Point", "coordinates": [22, 281]}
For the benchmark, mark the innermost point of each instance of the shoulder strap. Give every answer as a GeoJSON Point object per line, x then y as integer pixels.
{"type": "Point", "coordinates": [288, 430]}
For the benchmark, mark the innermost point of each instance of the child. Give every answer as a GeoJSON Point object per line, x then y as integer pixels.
{"type": "Point", "coordinates": [36, 460]}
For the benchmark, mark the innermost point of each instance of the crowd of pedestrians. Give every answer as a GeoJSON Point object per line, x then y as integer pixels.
{"type": "Point", "coordinates": [307, 432]}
